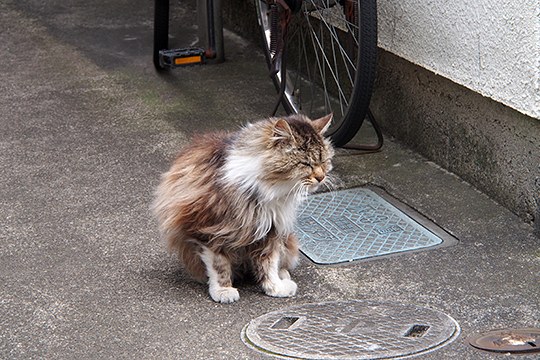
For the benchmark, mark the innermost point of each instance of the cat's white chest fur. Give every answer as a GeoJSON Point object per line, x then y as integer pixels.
{"type": "Point", "coordinates": [277, 203]}
{"type": "Point", "coordinates": [281, 213]}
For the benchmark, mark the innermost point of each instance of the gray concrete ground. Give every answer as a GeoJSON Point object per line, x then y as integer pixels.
{"type": "Point", "coordinates": [87, 126]}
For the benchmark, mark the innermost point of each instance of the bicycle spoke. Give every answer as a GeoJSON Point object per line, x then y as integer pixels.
{"type": "Point", "coordinates": [312, 89]}
{"type": "Point", "coordinates": [345, 57]}
{"type": "Point", "coordinates": [320, 46]}
{"type": "Point", "coordinates": [312, 36]}
{"type": "Point", "coordinates": [332, 30]}
{"type": "Point", "coordinates": [344, 54]}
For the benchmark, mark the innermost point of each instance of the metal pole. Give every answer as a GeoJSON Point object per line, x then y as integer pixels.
{"type": "Point", "coordinates": [211, 29]}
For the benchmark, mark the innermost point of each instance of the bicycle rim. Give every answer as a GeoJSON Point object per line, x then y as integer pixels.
{"type": "Point", "coordinates": [331, 58]}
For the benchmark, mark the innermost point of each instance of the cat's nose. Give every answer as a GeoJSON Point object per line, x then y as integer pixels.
{"type": "Point", "coordinates": [318, 174]}
{"type": "Point", "coordinates": [319, 177]}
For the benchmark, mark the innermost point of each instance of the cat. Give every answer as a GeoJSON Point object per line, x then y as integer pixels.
{"type": "Point", "coordinates": [227, 205]}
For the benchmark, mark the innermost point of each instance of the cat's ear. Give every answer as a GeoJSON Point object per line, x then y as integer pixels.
{"type": "Point", "coordinates": [322, 124]}
{"type": "Point", "coordinates": [282, 131]}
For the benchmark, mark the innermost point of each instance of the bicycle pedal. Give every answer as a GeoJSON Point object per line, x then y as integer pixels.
{"type": "Point", "coordinates": [174, 58]}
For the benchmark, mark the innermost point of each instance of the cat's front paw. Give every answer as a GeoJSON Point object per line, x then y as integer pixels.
{"type": "Point", "coordinates": [224, 295]}
{"type": "Point", "coordinates": [283, 288]}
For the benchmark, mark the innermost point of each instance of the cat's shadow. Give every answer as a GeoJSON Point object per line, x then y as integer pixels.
{"type": "Point", "coordinates": [167, 274]}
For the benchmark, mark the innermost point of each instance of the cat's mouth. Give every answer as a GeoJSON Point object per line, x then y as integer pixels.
{"type": "Point", "coordinates": [314, 185]}
{"type": "Point", "coordinates": [313, 188]}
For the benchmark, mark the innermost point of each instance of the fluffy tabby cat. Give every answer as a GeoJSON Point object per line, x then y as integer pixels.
{"type": "Point", "coordinates": [227, 205]}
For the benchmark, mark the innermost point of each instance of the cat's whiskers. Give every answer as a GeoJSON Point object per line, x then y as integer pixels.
{"type": "Point", "coordinates": [329, 183]}
{"type": "Point", "coordinates": [297, 191]}
{"type": "Point", "coordinates": [293, 190]}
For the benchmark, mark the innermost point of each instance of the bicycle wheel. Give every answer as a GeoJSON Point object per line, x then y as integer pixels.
{"type": "Point", "coordinates": [330, 59]}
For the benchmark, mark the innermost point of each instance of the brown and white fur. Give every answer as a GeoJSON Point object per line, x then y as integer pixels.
{"type": "Point", "coordinates": [227, 205]}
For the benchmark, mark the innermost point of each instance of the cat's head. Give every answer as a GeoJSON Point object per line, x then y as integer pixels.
{"type": "Point", "coordinates": [297, 153]}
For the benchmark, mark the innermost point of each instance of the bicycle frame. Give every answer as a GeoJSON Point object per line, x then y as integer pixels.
{"type": "Point", "coordinates": [211, 29]}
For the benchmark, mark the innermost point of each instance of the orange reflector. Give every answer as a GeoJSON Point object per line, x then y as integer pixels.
{"type": "Point", "coordinates": [188, 60]}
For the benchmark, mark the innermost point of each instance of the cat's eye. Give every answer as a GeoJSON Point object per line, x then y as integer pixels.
{"type": "Point", "coordinates": [306, 164]}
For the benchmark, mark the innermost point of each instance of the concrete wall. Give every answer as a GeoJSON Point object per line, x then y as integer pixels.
{"type": "Point", "coordinates": [489, 46]}
{"type": "Point", "coordinates": [488, 144]}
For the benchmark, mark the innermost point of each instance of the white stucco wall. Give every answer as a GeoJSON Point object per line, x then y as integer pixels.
{"type": "Point", "coordinates": [489, 46]}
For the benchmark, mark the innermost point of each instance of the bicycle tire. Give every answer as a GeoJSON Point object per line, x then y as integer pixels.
{"type": "Point", "coordinates": [161, 30]}
{"type": "Point", "coordinates": [353, 70]}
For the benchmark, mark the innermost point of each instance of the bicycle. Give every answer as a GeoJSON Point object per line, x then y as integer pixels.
{"type": "Point", "coordinates": [321, 55]}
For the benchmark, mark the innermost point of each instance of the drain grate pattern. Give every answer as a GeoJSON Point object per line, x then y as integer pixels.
{"type": "Point", "coordinates": [354, 224]}
{"type": "Point", "coordinates": [350, 330]}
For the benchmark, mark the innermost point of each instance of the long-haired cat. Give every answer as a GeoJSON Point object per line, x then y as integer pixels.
{"type": "Point", "coordinates": [228, 202]}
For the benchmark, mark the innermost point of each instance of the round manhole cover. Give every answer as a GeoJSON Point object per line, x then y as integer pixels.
{"type": "Point", "coordinates": [350, 330]}
{"type": "Point", "coordinates": [513, 341]}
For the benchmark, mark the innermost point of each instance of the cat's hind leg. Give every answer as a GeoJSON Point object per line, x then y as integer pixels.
{"type": "Point", "coordinates": [188, 251]}
{"type": "Point", "coordinates": [219, 271]}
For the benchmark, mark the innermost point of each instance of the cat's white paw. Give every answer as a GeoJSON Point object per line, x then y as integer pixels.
{"type": "Point", "coordinates": [224, 295]}
{"type": "Point", "coordinates": [283, 288]}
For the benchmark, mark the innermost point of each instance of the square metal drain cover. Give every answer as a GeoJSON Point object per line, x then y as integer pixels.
{"type": "Point", "coordinates": [355, 224]}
